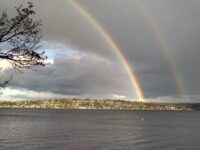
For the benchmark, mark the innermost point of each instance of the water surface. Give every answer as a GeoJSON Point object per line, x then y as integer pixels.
{"type": "Point", "coordinates": [98, 129]}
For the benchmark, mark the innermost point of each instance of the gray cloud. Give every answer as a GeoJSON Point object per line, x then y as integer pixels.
{"type": "Point", "coordinates": [99, 71]}
{"type": "Point", "coordinates": [83, 74]}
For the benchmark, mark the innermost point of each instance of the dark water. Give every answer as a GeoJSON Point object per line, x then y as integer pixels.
{"type": "Point", "coordinates": [90, 129]}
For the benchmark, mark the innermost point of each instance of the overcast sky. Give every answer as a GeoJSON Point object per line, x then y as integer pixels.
{"type": "Point", "coordinates": [84, 65]}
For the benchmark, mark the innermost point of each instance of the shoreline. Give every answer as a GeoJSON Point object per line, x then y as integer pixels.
{"type": "Point", "coordinates": [97, 109]}
{"type": "Point", "coordinates": [90, 104]}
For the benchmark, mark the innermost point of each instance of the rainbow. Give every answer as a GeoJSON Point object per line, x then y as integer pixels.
{"type": "Point", "coordinates": [164, 48]}
{"type": "Point", "coordinates": [132, 75]}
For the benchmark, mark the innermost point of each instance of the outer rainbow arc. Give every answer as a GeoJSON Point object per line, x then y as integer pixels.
{"type": "Point", "coordinates": [164, 48]}
{"type": "Point", "coordinates": [113, 45]}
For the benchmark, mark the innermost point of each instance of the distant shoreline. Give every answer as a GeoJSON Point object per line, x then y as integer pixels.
{"type": "Point", "coordinates": [91, 104]}
{"type": "Point", "coordinates": [94, 109]}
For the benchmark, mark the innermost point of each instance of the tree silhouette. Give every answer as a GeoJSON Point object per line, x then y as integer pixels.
{"type": "Point", "coordinates": [20, 39]}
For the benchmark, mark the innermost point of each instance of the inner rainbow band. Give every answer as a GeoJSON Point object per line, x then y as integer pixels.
{"type": "Point", "coordinates": [119, 53]}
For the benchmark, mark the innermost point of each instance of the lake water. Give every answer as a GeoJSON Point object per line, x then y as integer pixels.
{"type": "Point", "coordinates": [98, 129]}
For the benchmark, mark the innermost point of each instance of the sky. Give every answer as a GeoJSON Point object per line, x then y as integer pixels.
{"type": "Point", "coordinates": [159, 39]}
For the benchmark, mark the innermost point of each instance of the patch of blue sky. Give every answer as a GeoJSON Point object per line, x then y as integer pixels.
{"type": "Point", "coordinates": [54, 49]}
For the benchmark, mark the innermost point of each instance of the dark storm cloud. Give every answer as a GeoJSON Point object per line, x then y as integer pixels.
{"type": "Point", "coordinates": [181, 28]}
{"type": "Point", "coordinates": [177, 21]}
{"type": "Point", "coordinates": [179, 25]}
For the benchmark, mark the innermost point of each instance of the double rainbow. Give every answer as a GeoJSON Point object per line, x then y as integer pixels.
{"type": "Point", "coordinates": [119, 52]}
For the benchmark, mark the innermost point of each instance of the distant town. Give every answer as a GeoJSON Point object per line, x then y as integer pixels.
{"type": "Point", "coordinates": [98, 104]}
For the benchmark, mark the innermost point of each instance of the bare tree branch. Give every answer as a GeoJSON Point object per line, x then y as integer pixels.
{"type": "Point", "coordinates": [20, 38]}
